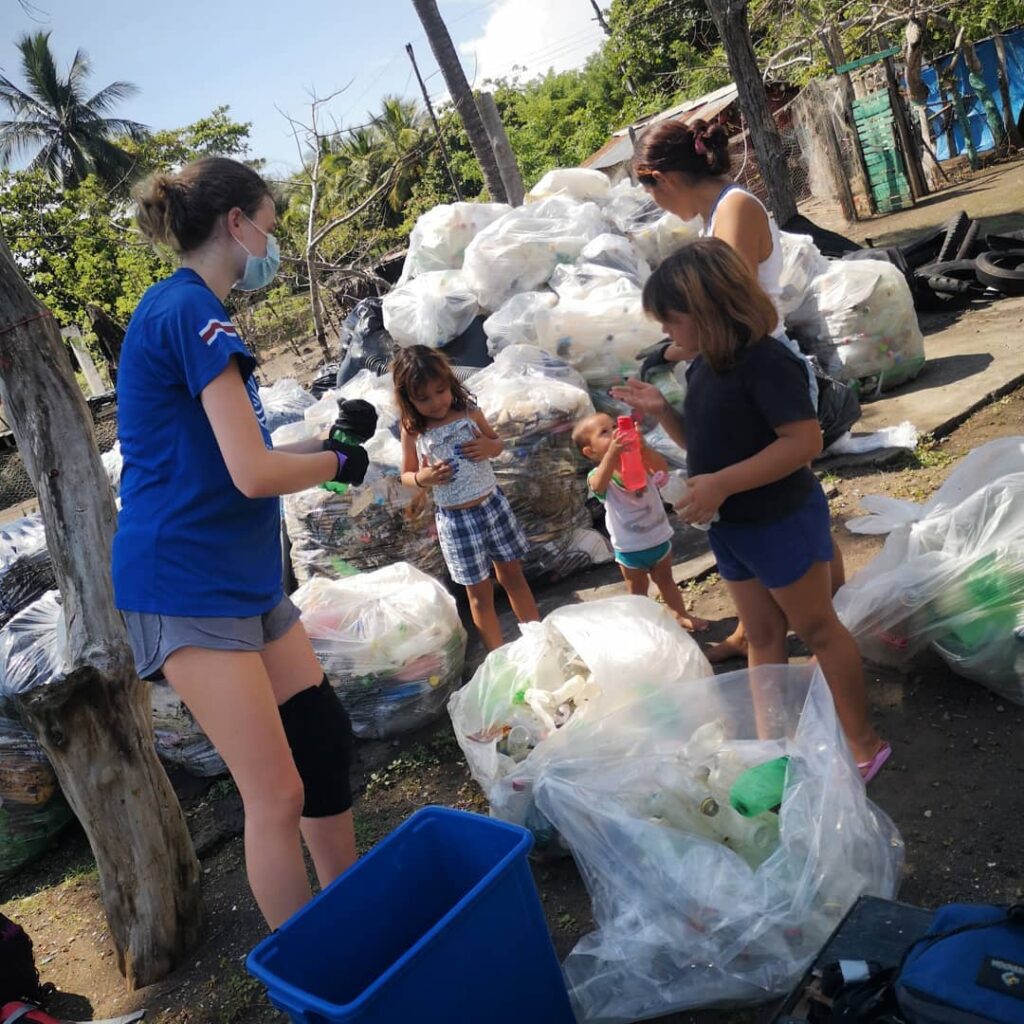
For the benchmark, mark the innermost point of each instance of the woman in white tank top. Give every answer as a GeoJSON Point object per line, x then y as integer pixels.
{"type": "Point", "coordinates": [685, 170]}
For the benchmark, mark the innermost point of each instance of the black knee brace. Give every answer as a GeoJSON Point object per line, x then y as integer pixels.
{"type": "Point", "coordinates": [320, 736]}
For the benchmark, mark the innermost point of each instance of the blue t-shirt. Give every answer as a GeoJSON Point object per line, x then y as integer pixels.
{"type": "Point", "coordinates": [188, 541]}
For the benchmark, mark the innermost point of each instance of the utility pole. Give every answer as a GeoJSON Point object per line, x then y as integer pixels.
{"type": "Point", "coordinates": [433, 118]}
{"type": "Point", "coordinates": [462, 96]}
{"type": "Point", "coordinates": [602, 21]}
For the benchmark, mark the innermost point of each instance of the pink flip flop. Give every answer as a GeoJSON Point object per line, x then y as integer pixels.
{"type": "Point", "coordinates": [869, 769]}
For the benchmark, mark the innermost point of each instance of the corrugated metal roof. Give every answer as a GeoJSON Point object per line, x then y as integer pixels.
{"type": "Point", "coordinates": [619, 149]}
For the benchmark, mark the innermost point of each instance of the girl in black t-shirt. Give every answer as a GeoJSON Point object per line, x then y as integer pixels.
{"type": "Point", "coordinates": [750, 433]}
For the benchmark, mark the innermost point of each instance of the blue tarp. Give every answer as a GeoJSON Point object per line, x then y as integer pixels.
{"type": "Point", "coordinates": [975, 114]}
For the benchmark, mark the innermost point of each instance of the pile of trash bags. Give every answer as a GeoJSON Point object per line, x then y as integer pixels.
{"type": "Point", "coordinates": [391, 643]}
{"type": "Point", "coordinates": [335, 534]}
{"type": "Point", "coordinates": [604, 730]}
{"type": "Point", "coordinates": [33, 811]}
{"type": "Point", "coordinates": [532, 400]}
{"type": "Point", "coordinates": [285, 401]}
{"type": "Point", "coordinates": [951, 574]}
{"type": "Point", "coordinates": [26, 572]}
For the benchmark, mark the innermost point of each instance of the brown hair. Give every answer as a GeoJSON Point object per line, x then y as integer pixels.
{"type": "Point", "coordinates": [412, 369]}
{"type": "Point", "coordinates": [181, 209]}
{"type": "Point", "coordinates": [583, 428]}
{"type": "Point", "coordinates": [709, 280]}
{"type": "Point", "coordinates": [698, 150]}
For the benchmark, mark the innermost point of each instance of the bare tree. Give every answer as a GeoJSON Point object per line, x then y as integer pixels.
{"type": "Point", "coordinates": [94, 721]}
{"type": "Point", "coordinates": [462, 96]}
{"type": "Point", "coordinates": [730, 17]}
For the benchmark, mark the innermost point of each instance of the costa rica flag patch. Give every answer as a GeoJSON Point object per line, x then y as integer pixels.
{"type": "Point", "coordinates": [214, 327]}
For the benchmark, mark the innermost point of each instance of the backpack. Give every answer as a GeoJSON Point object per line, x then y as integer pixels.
{"type": "Point", "coordinates": [19, 978]}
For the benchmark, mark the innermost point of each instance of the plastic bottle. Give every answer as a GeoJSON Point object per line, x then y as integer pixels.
{"type": "Point", "coordinates": [705, 740]}
{"type": "Point", "coordinates": [632, 471]}
{"type": "Point", "coordinates": [759, 789]}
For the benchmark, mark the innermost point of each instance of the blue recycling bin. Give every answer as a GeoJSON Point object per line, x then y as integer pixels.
{"type": "Point", "coordinates": [440, 922]}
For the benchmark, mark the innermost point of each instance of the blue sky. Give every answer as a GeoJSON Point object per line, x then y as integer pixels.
{"type": "Point", "coordinates": [189, 56]}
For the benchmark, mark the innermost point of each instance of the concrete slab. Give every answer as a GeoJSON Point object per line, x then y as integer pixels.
{"type": "Point", "coordinates": [971, 361]}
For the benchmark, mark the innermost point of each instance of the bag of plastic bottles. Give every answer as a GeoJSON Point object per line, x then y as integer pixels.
{"type": "Point", "coordinates": [519, 252]}
{"type": "Point", "coordinates": [860, 322]}
{"type": "Point", "coordinates": [953, 580]}
{"type": "Point", "coordinates": [515, 323]}
{"type": "Point", "coordinates": [615, 252]}
{"type": "Point", "coordinates": [33, 811]}
{"type": "Point", "coordinates": [431, 309]}
{"type": "Point", "coordinates": [529, 698]}
{"type": "Point", "coordinates": [179, 740]}
{"type": "Point", "coordinates": [579, 183]}
{"type": "Point", "coordinates": [284, 401]}
{"type": "Point", "coordinates": [439, 238]}
{"type": "Point", "coordinates": [695, 903]}
{"type": "Point", "coordinates": [532, 400]}
{"type": "Point", "coordinates": [391, 644]}
{"type": "Point", "coordinates": [802, 262]}
{"type": "Point", "coordinates": [26, 572]}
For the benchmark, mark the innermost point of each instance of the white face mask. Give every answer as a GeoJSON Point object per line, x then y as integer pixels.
{"type": "Point", "coordinates": [259, 270]}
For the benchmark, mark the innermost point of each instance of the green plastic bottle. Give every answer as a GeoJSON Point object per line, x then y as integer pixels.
{"type": "Point", "coordinates": [983, 605]}
{"type": "Point", "coordinates": [760, 788]}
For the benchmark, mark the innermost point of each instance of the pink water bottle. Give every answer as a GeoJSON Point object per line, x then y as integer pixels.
{"type": "Point", "coordinates": [631, 462]}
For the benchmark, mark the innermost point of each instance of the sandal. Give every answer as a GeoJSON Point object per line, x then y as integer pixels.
{"type": "Point", "coordinates": [869, 769]}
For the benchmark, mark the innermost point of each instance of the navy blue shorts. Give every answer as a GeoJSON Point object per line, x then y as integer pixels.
{"type": "Point", "coordinates": [776, 554]}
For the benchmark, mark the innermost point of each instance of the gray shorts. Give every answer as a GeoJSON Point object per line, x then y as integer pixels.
{"type": "Point", "coordinates": [155, 637]}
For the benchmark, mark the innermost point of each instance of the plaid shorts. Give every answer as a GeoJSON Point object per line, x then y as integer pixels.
{"type": "Point", "coordinates": [472, 538]}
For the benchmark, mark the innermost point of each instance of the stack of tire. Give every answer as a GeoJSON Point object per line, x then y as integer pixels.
{"type": "Point", "coordinates": [957, 264]}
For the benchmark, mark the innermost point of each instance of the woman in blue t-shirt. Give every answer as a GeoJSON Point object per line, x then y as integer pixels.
{"type": "Point", "coordinates": [750, 433]}
{"type": "Point", "coordinates": [197, 554]}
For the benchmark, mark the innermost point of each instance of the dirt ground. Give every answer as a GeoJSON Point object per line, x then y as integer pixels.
{"type": "Point", "coordinates": [954, 787]}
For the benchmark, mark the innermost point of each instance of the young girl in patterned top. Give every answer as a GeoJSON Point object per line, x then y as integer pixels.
{"type": "Point", "coordinates": [447, 445]}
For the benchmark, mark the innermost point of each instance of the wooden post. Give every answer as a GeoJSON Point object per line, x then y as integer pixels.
{"type": "Point", "coordinates": [109, 337]}
{"type": "Point", "coordinates": [433, 119]}
{"type": "Point", "coordinates": [95, 721]}
{"type": "Point", "coordinates": [1009, 121]}
{"type": "Point", "coordinates": [911, 157]}
{"type": "Point", "coordinates": [833, 47]}
{"type": "Point", "coordinates": [93, 380]}
{"type": "Point", "coordinates": [507, 165]}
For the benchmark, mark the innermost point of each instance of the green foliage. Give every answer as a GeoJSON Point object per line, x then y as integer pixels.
{"type": "Point", "coordinates": [52, 117]}
{"type": "Point", "coordinates": [214, 135]}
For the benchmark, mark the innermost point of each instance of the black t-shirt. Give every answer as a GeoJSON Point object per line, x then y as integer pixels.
{"type": "Point", "coordinates": [731, 416]}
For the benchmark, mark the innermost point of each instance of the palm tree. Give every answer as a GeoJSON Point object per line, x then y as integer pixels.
{"type": "Point", "coordinates": [71, 134]}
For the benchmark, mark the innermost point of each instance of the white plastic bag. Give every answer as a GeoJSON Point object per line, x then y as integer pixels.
{"type": "Point", "coordinates": [285, 401]}
{"type": "Point", "coordinates": [860, 322]}
{"type": "Point", "coordinates": [954, 580]}
{"type": "Point", "coordinates": [113, 464]}
{"type": "Point", "coordinates": [432, 309]}
{"type": "Point", "coordinates": [391, 643]}
{"type": "Point", "coordinates": [903, 435]}
{"type": "Point", "coordinates": [26, 571]}
{"type": "Point", "coordinates": [695, 905]}
{"type": "Point", "coordinates": [515, 323]}
{"type": "Point", "coordinates": [615, 253]}
{"type": "Point", "coordinates": [533, 400]}
{"type": "Point", "coordinates": [518, 252]}
{"type": "Point", "coordinates": [578, 183]}
{"type": "Point", "coordinates": [981, 466]}
{"type": "Point", "coordinates": [802, 262]}
{"type": "Point", "coordinates": [668, 234]}
{"type": "Point", "coordinates": [531, 696]}
{"type": "Point", "coordinates": [439, 238]}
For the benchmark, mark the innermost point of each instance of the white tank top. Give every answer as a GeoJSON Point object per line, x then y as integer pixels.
{"type": "Point", "coordinates": [635, 522]}
{"type": "Point", "coordinates": [769, 271]}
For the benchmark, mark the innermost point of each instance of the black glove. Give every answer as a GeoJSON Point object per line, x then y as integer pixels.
{"type": "Point", "coordinates": [356, 418]}
{"type": "Point", "coordinates": [353, 469]}
{"type": "Point", "coordinates": [653, 359]}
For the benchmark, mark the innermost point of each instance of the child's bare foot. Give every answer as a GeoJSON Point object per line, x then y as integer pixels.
{"type": "Point", "coordinates": [692, 623]}
{"type": "Point", "coordinates": [734, 646]}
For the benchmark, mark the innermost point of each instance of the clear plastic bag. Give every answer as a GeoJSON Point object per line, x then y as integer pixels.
{"type": "Point", "coordinates": [533, 400]}
{"type": "Point", "coordinates": [391, 644]}
{"type": "Point", "coordinates": [113, 463]}
{"type": "Point", "coordinates": [694, 904]}
{"type": "Point", "coordinates": [579, 183]}
{"type": "Point", "coordinates": [515, 323]}
{"type": "Point", "coordinates": [519, 252]}
{"type": "Point", "coordinates": [26, 571]}
{"type": "Point", "coordinates": [529, 698]}
{"type": "Point", "coordinates": [179, 740]}
{"type": "Point", "coordinates": [439, 238]}
{"type": "Point", "coordinates": [859, 321]}
{"type": "Point", "coordinates": [954, 579]}
{"type": "Point", "coordinates": [802, 262]}
{"type": "Point", "coordinates": [615, 253]}
{"type": "Point", "coordinates": [432, 309]}
{"type": "Point", "coordinates": [285, 401]}
{"type": "Point", "coordinates": [992, 460]}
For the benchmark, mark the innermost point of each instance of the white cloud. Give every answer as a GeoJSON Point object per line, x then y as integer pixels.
{"type": "Point", "coordinates": [535, 34]}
